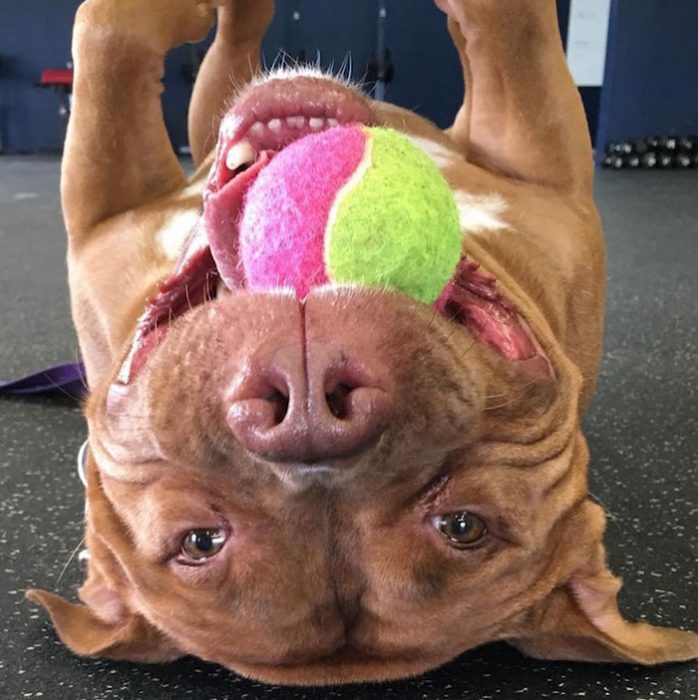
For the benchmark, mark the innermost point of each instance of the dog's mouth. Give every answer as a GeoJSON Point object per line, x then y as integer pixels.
{"type": "Point", "coordinates": [266, 119]}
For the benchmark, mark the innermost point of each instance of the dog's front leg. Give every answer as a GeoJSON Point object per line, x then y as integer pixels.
{"type": "Point", "coordinates": [233, 59]}
{"type": "Point", "coordinates": [117, 153]}
{"type": "Point", "coordinates": [523, 116]}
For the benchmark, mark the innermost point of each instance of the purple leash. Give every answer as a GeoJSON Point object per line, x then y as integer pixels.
{"type": "Point", "coordinates": [62, 379]}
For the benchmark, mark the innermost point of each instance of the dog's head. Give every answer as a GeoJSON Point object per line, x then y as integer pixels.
{"type": "Point", "coordinates": [354, 486]}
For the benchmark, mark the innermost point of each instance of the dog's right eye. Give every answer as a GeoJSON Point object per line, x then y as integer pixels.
{"type": "Point", "coordinates": [462, 529]}
{"type": "Point", "coordinates": [200, 545]}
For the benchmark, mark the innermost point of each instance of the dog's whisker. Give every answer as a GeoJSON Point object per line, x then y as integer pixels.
{"type": "Point", "coordinates": [519, 391]}
{"type": "Point", "coordinates": [515, 396]}
{"type": "Point", "coordinates": [275, 63]}
{"type": "Point", "coordinates": [611, 517]}
{"type": "Point", "coordinates": [341, 73]}
{"type": "Point", "coordinates": [83, 378]}
{"type": "Point", "coordinates": [72, 556]}
{"type": "Point", "coordinates": [350, 66]}
{"type": "Point", "coordinates": [282, 60]}
{"type": "Point", "coordinates": [60, 389]}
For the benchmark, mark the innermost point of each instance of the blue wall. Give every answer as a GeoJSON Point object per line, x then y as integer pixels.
{"type": "Point", "coordinates": [651, 81]}
{"type": "Point", "coordinates": [650, 87]}
{"type": "Point", "coordinates": [34, 34]}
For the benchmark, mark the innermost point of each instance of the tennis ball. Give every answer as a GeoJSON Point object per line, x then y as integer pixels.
{"type": "Point", "coordinates": [351, 205]}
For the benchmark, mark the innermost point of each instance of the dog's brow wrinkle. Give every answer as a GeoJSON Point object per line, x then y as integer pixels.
{"type": "Point", "coordinates": [433, 489]}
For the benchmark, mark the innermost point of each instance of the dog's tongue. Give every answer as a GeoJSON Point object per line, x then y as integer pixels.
{"type": "Point", "coordinates": [223, 205]}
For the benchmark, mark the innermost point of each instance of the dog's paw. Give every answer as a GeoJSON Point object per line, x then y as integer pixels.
{"type": "Point", "coordinates": [469, 14]}
{"type": "Point", "coordinates": [191, 20]}
{"type": "Point", "coordinates": [488, 16]}
{"type": "Point", "coordinates": [453, 8]}
{"type": "Point", "coordinates": [242, 21]}
{"type": "Point", "coordinates": [162, 24]}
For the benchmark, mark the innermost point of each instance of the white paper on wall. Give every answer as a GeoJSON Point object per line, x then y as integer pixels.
{"type": "Point", "coordinates": [587, 39]}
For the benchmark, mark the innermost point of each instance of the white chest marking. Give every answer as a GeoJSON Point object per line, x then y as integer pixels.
{"type": "Point", "coordinates": [481, 213]}
{"type": "Point", "coordinates": [441, 155]}
{"type": "Point", "coordinates": [175, 232]}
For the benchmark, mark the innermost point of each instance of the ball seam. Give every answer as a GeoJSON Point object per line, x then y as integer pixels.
{"type": "Point", "coordinates": [344, 192]}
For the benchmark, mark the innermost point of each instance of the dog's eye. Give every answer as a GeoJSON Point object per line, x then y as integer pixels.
{"type": "Point", "coordinates": [199, 545]}
{"type": "Point", "coordinates": [462, 529]}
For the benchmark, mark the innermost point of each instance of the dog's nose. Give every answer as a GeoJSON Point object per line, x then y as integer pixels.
{"type": "Point", "coordinates": [328, 407]}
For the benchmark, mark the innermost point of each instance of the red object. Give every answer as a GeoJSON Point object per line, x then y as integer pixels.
{"type": "Point", "coordinates": [57, 77]}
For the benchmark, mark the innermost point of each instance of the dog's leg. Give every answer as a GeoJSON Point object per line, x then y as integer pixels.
{"type": "Point", "coordinates": [523, 115]}
{"type": "Point", "coordinates": [117, 153]}
{"type": "Point", "coordinates": [233, 59]}
{"type": "Point", "coordinates": [460, 129]}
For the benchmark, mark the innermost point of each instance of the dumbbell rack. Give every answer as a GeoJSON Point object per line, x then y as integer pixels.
{"type": "Point", "coordinates": [651, 153]}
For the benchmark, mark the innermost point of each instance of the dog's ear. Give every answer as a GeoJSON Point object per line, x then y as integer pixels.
{"type": "Point", "coordinates": [107, 625]}
{"type": "Point", "coordinates": [580, 621]}
{"type": "Point", "coordinates": [112, 634]}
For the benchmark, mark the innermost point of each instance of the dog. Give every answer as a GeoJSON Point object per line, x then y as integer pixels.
{"type": "Point", "coordinates": [350, 486]}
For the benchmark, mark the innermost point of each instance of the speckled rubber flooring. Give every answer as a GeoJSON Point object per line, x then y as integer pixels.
{"type": "Point", "coordinates": [643, 432]}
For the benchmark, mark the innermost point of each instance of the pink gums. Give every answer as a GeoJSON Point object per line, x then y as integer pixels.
{"type": "Point", "coordinates": [473, 300]}
{"type": "Point", "coordinates": [286, 212]}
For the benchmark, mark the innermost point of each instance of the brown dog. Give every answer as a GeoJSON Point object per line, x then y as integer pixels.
{"type": "Point", "coordinates": [352, 486]}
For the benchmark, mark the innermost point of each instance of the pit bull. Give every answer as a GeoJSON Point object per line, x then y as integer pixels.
{"type": "Point", "coordinates": [351, 486]}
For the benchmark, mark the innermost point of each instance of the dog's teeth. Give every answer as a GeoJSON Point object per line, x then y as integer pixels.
{"type": "Point", "coordinates": [316, 123]}
{"type": "Point", "coordinates": [296, 122]}
{"type": "Point", "coordinates": [257, 129]}
{"type": "Point", "coordinates": [332, 123]}
{"type": "Point", "coordinates": [275, 125]}
{"type": "Point", "coordinates": [240, 154]}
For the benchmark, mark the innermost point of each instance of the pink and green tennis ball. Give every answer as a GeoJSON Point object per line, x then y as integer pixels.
{"type": "Point", "coordinates": [351, 205]}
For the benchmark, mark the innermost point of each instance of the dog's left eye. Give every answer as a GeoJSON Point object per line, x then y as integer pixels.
{"type": "Point", "coordinates": [199, 545]}
{"type": "Point", "coordinates": [462, 529]}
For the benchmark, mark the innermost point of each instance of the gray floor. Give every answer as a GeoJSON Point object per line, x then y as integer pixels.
{"type": "Point", "coordinates": [643, 432]}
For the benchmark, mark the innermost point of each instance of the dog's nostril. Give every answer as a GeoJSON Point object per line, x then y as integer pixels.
{"type": "Point", "coordinates": [259, 406]}
{"type": "Point", "coordinates": [279, 403]}
{"type": "Point", "coordinates": [337, 400]}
